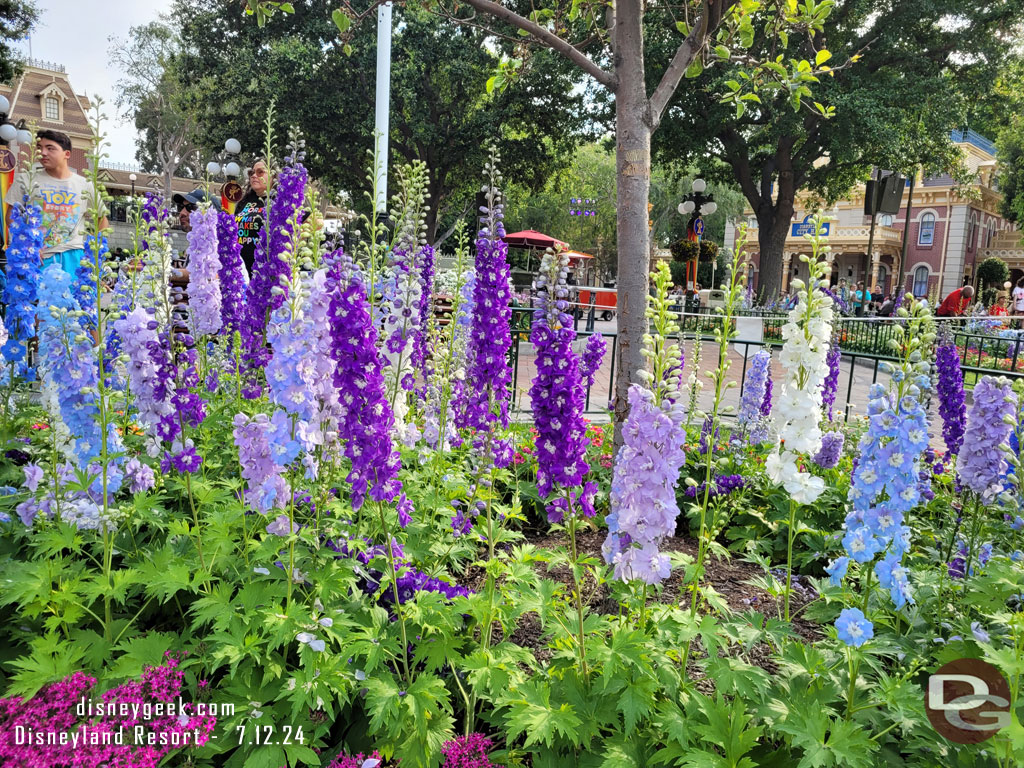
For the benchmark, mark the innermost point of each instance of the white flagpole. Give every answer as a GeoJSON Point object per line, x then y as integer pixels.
{"type": "Point", "coordinates": [383, 102]}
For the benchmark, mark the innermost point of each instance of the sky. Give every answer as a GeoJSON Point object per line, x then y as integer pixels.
{"type": "Point", "coordinates": [75, 33]}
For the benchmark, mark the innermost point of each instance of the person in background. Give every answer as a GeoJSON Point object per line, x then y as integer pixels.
{"type": "Point", "coordinates": [187, 205]}
{"type": "Point", "coordinates": [843, 291]}
{"type": "Point", "coordinates": [249, 212]}
{"type": "Point", "coordinates": [859, 299]}
{"type": "Point", "coordinates": [65, 198]}
{"type": "Point", "coordinates": [956, 303]}
{"type": "Point", "coordinates": [1018, 298]}
{"type": "Point", "coordinates": [999, 308]}
{"type": "Point", "coordinates": [887, 307]}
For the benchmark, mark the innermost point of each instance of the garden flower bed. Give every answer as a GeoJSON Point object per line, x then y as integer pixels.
{"type": "Point", "coordinates": [300, 509]}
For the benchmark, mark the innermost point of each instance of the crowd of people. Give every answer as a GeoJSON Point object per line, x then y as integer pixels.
{"type": "Point", "coordinates": [65, 198]}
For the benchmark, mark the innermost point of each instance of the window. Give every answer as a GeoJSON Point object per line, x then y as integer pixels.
{"type": "Point", "coordinates": [886, 220]}
{"type": "Point", "coordinates": [990, 234]}
{"type": "Point", "coordinates": [972, 228]}
{"type": "Point", "coordinates": [926, 229]}
{"type": "Point", "coordinates": [52, 108]}
{"type": "Point", "coordinates": [921, 281]}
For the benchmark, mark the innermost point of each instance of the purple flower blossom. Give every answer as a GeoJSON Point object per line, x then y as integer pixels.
{"type": "Point", "coordinates": [366, 420]}
{"type": "Point", "coordinates": [723, 485]}
{"type": "Point", "coordinates": [831, 449]}
{"type": "Point", "coordinates": [557, 393]}
{"type": "Point", "coordinates": [266, 488]}
{"type": "Point", "coordinates": [204, 295]}
{"type": "Point", "coordinates": [593, 355]}
{"type": "Point", "coordinates": [755, 388]}
{"type": "Point", "coordinates": [488, 369]}
{"type": "Point", "coordinates": [950, 389]}
{"type": "Point", "coordinates": [831, 385]}
{"type": "Point", "coordinates": [461, 525]}
{"type": "Point", "coordinates": [981, 462]}
{"type": "Point", "coordinates": [140, 476]}
{"type": "Point", "coordinates": [425, 262]}
{"type": "Point", "coordinates": [270, 268]}
{"type": "Point", "coordinates": [232, 275]}
{"type": "Point", "coordinates": [643, 499]}
{"type": "Point", "coordinates": [139, 343]}
{"type": "Point", "coordinates": [33, 475]}
{"type": "Point", "coordinates": [766, 404]}
{"type": "Point", "coordinates": [282, 526]}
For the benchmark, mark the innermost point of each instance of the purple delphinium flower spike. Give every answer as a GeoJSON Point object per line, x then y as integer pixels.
{"type": "Point", "coordinates": [950, 389]}
{"type": "Point", "coordinates": [556, 392]}
{"type": "Point", "coordinates": [981, 462]}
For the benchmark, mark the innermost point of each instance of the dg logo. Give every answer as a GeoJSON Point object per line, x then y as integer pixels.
{"type": "Point", "coordinates": [967, 701]}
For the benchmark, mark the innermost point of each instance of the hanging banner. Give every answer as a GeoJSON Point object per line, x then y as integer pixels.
{"type": "Point", "coordinates": [230, 194]}
{"type": "Point", "coordinates": [7, 166]}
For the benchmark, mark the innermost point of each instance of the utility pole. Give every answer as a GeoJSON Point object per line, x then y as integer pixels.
{"type": "Point", "coordinates": [382, 105]}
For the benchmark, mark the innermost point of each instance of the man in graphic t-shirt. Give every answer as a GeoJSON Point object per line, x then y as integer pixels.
{"type": "Point", "coordinates": [64, 198]}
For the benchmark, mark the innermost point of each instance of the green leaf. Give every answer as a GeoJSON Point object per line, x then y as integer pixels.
{"type": "Point", "coordinates": [139, 652]}
{"type": "Point", "coordinates": [722, 52]}
{"type": "Point", "coordinates": [683, 27]}
{"type": "Point", "coordinates": [341, 20]}
{"type": "Point", "coordinates": [828, 742]}
{"type": "Point", "coordinates": [533, 715]}
{"type": "Point", "coordinates": [492, 82]}
{"type": "Point", "coordinates": [822, 56]}
{"type": "Point", "coordinates": [636, 701]}
{"type": "Point", "coordinates": [695, 68]}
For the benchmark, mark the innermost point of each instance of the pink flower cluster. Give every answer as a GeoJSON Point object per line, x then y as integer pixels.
{"type": "Point", "coordinates": [46, 731]}
{"type": "Point", "coordinates": [463, 752]}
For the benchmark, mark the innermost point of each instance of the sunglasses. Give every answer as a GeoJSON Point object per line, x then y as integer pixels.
{"type": "Point", "coordinates": [190, 207]}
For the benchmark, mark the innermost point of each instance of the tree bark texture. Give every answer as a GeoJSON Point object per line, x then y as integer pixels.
{"type": "Point", "coordinates": [633, 166]}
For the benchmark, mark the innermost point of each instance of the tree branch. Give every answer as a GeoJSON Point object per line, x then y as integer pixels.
{"type": "Point", "coordinates": [550, 39]}
{"type": "Point", "coordinates": [710, 17]}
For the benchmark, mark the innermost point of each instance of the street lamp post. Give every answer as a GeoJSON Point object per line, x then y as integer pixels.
{"type": "Point", "coordinates": [225, 164]}
{"type": "Point", "coordinates": [133, 178]}
{"type": "Point", "coordinates": [696, 205]}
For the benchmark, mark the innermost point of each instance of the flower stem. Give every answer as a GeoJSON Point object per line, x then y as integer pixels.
{"type": "Point", "coordinates": [789, 554]}
{"type": "Point", "coordinates": [394, 585]}
{"type": "Point", "coordinates": [577, 587]}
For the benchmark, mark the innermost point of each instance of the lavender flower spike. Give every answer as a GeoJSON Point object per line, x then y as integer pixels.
{"type": "Point", "coordinates": [204, 294]}
{"type": "Point", "coordinates": [981, 462]}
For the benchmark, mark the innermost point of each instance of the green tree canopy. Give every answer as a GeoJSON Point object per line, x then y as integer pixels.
{"type": "Point", "coordinates": [920, 64]}
{"type": "Point", "coordinates": [17, 18]}
{"type": "Point", "coordinates": [441, 111]}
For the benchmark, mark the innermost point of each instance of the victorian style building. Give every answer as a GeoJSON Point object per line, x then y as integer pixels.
{"type": "Point", "coordinates": [43, 95]}
{"type": "Point", "coordinates": [951, 231]}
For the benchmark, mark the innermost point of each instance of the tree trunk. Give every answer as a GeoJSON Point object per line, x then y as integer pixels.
{"type": "Point", "coordinates": [633, 170]}
{"type": "Point", "coordinates": [772, 230]}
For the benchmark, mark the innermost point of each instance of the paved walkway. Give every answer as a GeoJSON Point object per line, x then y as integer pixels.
{"type": "Point", "coordinates": [851, 398]}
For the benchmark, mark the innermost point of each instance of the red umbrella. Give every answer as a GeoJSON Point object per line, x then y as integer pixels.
{"type": "Point", "coordinates": [530, 238]}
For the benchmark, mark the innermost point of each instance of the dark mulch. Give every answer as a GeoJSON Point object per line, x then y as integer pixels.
{"type": "Point", "coordinates": [728, 577]}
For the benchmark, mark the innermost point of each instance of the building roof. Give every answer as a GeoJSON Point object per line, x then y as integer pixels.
{"type": "Point", "coordinates": [975, 140]}
{"type": "Point", "coordinates": [41, 78]}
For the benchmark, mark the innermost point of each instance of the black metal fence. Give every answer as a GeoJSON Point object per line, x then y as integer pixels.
{"type": "Point", "coordinates": [864, 344]}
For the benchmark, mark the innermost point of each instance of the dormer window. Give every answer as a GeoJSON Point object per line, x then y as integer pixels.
{"type": "Point", "coordinates": [51, 108]}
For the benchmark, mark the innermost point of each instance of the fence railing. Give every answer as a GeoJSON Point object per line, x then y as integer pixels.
{"type": "Point", "coordinates": [863, 344]}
